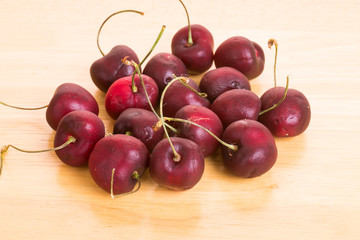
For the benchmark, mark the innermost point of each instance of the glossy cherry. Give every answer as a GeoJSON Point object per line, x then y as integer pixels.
{"type": "Point", "coordinates": [291, 117]}
{"type": "Point", "coordinates": [236, 104]}
{"type": "Point", "coordinates": [69, 97]}
{"type": "Point", "coordinates": [178, 95]}
{"type": "Point", "coordinates": [139, 123]}
{"type": "Point", "coordinates": [121, 95]}
{"type": "Point", "coordinates": [110, 67]}
{"type": "Point", "coordinates": [194, 45]}
{"type": "Point", "coordinates": [106, 70]}
{"type": "Point", "coordinates": [220, 80]}
{"type": "Point", "coordinates": [256, 153]}
{"type": "Point", "coordinates": [162, 67]}
{"type": "Point", "coordinates": [242, 54]}
{"type": "Point", "coordinates": [87, 128]}
{"type": "Point", "coordinates": [205, 118]}
{"type": "Point", "coordinates": [177, 175]}
{"type": "Point", "coordinates": [125, 154]}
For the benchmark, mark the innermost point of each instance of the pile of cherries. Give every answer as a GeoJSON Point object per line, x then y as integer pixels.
{"type": "Point", "coordinates": [168, 123]}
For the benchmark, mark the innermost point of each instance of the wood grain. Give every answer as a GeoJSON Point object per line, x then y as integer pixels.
{"type": "Point", "coordinates": [313, 190]}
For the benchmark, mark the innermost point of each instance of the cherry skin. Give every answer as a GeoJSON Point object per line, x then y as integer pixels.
{"type": "Point", "coordinates": [124, 153]}
{"type": "Point", "coordinates": [205, 118]}
{"type": "Point", "coordinates": [220, 80]}
{"type": "Point", "coordinates": [242, 54]}
{"type": "Point", "coordinates": [257, 152]}
{"type": "Point", "coordinates": [236, 104]}
{"type": "Point", "coordinates": [121, 96]}
{"type": "Point", "coordinates": [109, 68]}
{"type": "Point", "coordinates": [180, 175]}
{"type": "Point", "coordinates": [69, 97]}
{"type": "Point", "coordinates": [162, 67]}
{"type": "Point", "coordinates": [178, 95]}
{"type": "Point", "coordinates": [198, 57]}
{"type": "Point", "coordinates": [291, 117]}
{"type": "Point", "coordinates": [139, 123]}
{"type": "Point", "coordinates": [87, 128]}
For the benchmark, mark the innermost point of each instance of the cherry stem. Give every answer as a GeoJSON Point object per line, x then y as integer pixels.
{"type": "Point", "coordinates": [190, 40]}
{"type": "Point", "coordinates": [134, 175]}
{"type": "Point", "coordinates": [23, 108]}
{"type": "Point", "coordinates": [231, 146]}
{"type": "Point", "coordinates": [201, 94]}
{"type": "Point", "coordinates": [281, 100]}
{"type": "Point", "coordinates": [137, 68]}
{"type": "Point", "coordinates": [98, 35]}
{"type": "Point", "coordinates": [177, 156]}
{"type": "Point", "coordinates": [5, 148]}
{"type": "Point", "coordinates": [270, 43]}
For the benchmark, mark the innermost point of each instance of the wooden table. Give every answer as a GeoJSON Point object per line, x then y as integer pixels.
{"type": "Point", "coordinates": [312, 192]}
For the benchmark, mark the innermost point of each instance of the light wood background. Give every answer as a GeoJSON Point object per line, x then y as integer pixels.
{"type": "Point", "coordinates": [312, 192]}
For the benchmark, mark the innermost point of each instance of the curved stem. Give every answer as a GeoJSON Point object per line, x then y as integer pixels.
{"type": "Point", "coordinates": [135, 175]}
{"type": "Point", "coordinates": [98, 35]}
{"type": "Point", "coordinates": [270, 43]}
{"type": "Point", "coordinates": [24, 108]}
{"type": "Point", "coordinates": [137, 68]}
{"type": "Point", "coordinates": [281, 100]}
{"type": "Point", "coordinates": [5, 148]}
{"type": "Point", "coordinates": [190, 40]}
{"type": "Point", "coordinates": [176, 154]}
{"type": "Point", "coordinates": [231, 146]}
{"type": "Point", "coordinates": [201, 94]}
{"type": "Point", "coordinates": [154, 45]}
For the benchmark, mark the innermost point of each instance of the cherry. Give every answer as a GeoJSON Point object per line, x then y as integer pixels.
{"type": "Point", "coordinates": [242, 54]}
{"type": "Point", "coordinates": [139, 123]}
{"type": "Point", "coordinates": [236, 104]}
{"type": "Point", "coordinates": [256, 153]}
{"type": "Point", "coordinates": [289, 118]}
{"type": "Point", "coordinates": [194, 45]}
{"type": "Point", "coordinates": [179, 95]}
{"type": "Point", "coordinates": [220, 80]}
{"type": "Point", "coordinates": [86, 128]}
{"type": "Point", "coordinates": [106, 70]}
{"type": "Point", "coordinates": [76, 135]}
{"type": "Point", "coordinates": [69, 97]}
{"type": "Point", "coordinates": [121, 96]}
{"type": "Point", "coordinates": [177, 175]}
{"type": "Point", "coordinates": [162, 67]}
{"type": "Point", "coordinates": [117, 162]}
{"type": "Point", "coordinates": [204, 117]}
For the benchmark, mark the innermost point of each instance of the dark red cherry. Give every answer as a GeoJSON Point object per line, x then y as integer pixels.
{"type": "Point", "coordinates": [242, 54]}
{"type": "Point", "coordinates": [69, 97]}
{"type": "Point", "coordinates": [109, 68]}
{"type": "Point", "coordinates": [162, 67]}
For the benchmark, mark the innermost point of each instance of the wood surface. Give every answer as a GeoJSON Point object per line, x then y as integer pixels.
{"type": "Point", "coordinates": [312, 192]}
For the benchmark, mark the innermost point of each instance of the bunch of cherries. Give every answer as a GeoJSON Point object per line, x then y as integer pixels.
{"type": "Point", "coordinates": [168, 123]}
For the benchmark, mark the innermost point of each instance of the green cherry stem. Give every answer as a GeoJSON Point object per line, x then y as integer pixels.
{"type": "Point", "coordinates": [137, 68]}
{"type": "Point", "coordinates": [134, 175]}
{"type": "Point", "coordinates": [281, 100]}
{"type": "Point", "coordinates": [5, 148]}
{"type": "Point", "coordinates": [201, 94]}
{"type": "Point", "coordinates": [270, 43]}
{"type": "Point", "coordinates": [190, 40]}
{"type": "Point", "coordinates": [23, 108]}
{"type": "Point", "coordinates": [177, 156]}
{"type": "Point", "coordinates": [231, 146]}
{"type": "Point", "coordinates": [115, 13]}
